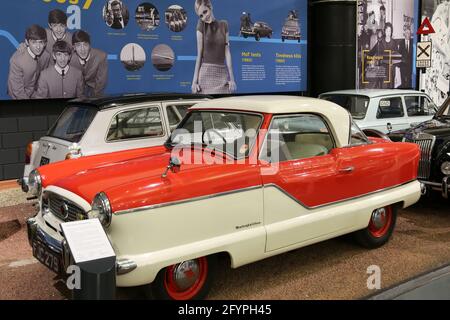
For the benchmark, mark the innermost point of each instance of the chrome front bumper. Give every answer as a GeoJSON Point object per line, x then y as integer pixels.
{"type": "Point", "coordinates": [443, 187]}
{"type": "Point", "coordinates": [123, 266]}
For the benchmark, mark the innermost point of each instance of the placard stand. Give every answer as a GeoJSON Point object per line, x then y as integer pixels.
{"type": "Point", "coordinates": [98, 280]}
{"type": "Point", "coordinates": [92, 253]}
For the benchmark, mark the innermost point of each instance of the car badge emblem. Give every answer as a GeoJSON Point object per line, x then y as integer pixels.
{"type": "Point", "coordinates": [64, 210]}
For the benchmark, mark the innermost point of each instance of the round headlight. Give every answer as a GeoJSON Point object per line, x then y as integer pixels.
{"type": "Point", "coordinates": [101, 209]}
{"type": "Point", "coordinates": [35, 183]}
{"type": "Point", "coordinates": [445, 168]}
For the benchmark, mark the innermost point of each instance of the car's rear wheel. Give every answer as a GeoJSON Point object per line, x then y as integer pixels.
{"type": "Point", "coordinates": [257, 36]}
{"type": "Point", "coordinates": [188, 280]}
{"type": "Point", "coordinates": [380, 228]}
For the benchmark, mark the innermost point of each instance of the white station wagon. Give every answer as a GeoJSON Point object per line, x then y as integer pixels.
{"type": "Point", "coordinates": [384, 110]}
{"type": "Point", "coordinates": [94, 126]}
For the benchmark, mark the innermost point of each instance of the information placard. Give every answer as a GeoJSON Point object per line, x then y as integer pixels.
{"type": "Point", "coordinates": [87, 240]}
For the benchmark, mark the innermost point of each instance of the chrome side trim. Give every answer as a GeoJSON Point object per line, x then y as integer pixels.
{"type": "Point", "coordinates": [173, 203]}
{"type": "Point", "coordinates": [162, 205]}
{"type": "Point", "coordinates": [335, 202]}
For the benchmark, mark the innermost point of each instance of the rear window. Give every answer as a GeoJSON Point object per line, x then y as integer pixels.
{"type": "Point", "coordinates": [356, 105]}
{"type": "Point", "coordinates": [73, 123]}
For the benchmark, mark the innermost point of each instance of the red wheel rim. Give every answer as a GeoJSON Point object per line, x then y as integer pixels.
{"type": "Point", "coordinates": [380, 222]}
{"type": "Point", "coordinates": [192, 272]}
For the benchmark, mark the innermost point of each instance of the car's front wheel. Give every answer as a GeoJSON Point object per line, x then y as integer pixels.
{"type": "Point", "coordinates": [380, 228]}
{"type": "Point", "coordinates": [188, 280]}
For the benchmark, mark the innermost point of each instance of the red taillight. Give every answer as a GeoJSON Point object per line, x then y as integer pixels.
{"type": "Point", "coordinates": [28, 153]}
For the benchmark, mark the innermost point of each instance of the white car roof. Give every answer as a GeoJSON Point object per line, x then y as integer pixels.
{"type": "Point", "coordinates": [372, 93]}
{"type": "Point", "coordinates": [336, 116]}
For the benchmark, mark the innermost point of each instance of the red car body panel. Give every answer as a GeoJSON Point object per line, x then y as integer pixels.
{"type": "Point", "coordinates": [133, 179]}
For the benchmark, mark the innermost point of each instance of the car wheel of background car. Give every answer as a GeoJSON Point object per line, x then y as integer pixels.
{"type": "Point", "coordinates": [245, 35]}
{"type": "Point", "coordinates": [188, 280]}
{"type": "Point", "coordinates": [269, 35]}
{"type": "Point", "coordinates": [282, 39]}
{"type": "Point", "coordinates": [376, 134]}
{"type": "Point", "coordinates": [257, 36]}
{"type": "Point", "coordinates": [380, 228]}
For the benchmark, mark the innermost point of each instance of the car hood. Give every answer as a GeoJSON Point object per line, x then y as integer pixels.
{"type": "Point", "coordinates": [138, 182]}
{"type": "Point", "coordinates": [435, 127]}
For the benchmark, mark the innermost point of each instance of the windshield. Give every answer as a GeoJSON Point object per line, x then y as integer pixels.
{"type": "Point", "coordinates": [230, 132]}
{"type": "Point", "coordinates": [444, 111]}
{"type": "Point", "coordinates": [73, 123]}
{"type": "Point", "coordinates": [356, 105]}
{"type": "Point", "coordinates": [289, 23]}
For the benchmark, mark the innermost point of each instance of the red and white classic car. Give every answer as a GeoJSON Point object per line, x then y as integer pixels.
{"type": "Point", "coordinates": [247, 177]}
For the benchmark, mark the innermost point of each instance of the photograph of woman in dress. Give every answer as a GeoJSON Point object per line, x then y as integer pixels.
{"type": "Point", "coordinates": [213, 68]}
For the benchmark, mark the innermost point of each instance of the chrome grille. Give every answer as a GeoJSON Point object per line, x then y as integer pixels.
{"type": "Point", "coordinates": [426, 144]}
{"type": "Point", "coordinates": [64, 209]}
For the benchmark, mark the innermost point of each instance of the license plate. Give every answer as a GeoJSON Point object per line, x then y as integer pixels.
{"type": "Point", "coordinates": [46, 256]}
{"type": "Point", "coordinates": [44, 161]}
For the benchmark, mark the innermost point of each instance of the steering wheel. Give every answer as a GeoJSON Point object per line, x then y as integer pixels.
{"type": "Point", "coordinates": [216, 132]}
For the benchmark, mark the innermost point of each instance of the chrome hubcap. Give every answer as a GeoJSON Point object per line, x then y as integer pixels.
{"type": "Point", "coordinates": [186, 274]}
{"type": "Point", "coordinates": [379, 218]}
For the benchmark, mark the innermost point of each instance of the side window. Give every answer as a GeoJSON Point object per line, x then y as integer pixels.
{"type": "Point", "coordinates": [428, 107]}
{"type": "Point", "coordinates": [135, 124]}
{"type": "Point", "coordinates": [176, 113]}
{"type": "Point", "coordinates": [357, 136]}
{"type": "Point", "coordinates": [390, 108]}
{"type": "Point", "coordinates": [413, 106]}
{"type": "Point", "coordinates": [296, 137]}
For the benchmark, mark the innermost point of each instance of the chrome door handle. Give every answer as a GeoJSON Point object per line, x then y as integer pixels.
{"type": "Point", "coordinates": [346, 170]}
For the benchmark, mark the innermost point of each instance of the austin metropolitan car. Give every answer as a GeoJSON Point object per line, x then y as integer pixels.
{"type": "Point", "coordinates": [433, 137]}
{"type": "Point", "coordinates": [244, 177]}
{"type": "Point", "coordinates": [94, 126]}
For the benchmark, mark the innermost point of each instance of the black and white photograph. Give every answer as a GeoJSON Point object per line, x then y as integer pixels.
{"type": "Point", "coordinates": [133, 57]}
{"type": "Point", "coordinates": [176, 18]}
{"type": "Point", "coordinates": [385, 43]}
{"type": "Point", "coordinates": [56, 63]}
{"type": "Point", "coordinates": [436, 80]}
{"type": "Point", "coordinates": [147, 16]}
{"type": "Point", "coordinates": [163, 57]}
{"type": "Point", "coordinates": [213, 72]}
{"type": "Point", "coordinates": [116, 14]}
{"type": "Point", "coordinates": [92, 62]}
{"type": "Point", "coordinates": [26, 64]}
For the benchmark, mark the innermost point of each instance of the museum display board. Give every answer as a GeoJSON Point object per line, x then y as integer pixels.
{"type": "Point", "coordinates": [211, 47]}
{"type": "Point", "coordinates": [386, 43]}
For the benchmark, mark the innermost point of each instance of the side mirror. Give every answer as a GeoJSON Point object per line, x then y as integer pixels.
{"type": "Point", "coordinates": [174, 166]}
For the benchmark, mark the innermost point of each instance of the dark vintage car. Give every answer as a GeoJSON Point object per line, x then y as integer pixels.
{"type": "Point", "coordinates": [258, 30]}
{"type": "Point", "coordinates": [433, 137]}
